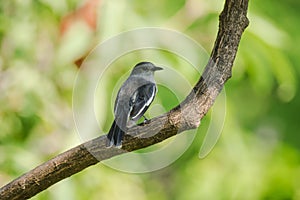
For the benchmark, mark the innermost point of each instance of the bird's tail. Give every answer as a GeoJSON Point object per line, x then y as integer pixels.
{"type": "Point", "coordinates": [115, 136]}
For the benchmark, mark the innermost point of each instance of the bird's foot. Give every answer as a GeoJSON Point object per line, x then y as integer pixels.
{"type": "Point", "coordinates": [146, 121]}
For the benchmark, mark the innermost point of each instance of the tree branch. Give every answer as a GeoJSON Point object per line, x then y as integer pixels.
{"type": "Point", "coordinates": [187, 115]}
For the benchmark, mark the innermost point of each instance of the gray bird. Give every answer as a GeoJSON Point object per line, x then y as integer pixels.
{"type": "Point", "coordinates": [133, 99]}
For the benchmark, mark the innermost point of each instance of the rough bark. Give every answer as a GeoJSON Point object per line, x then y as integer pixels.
{"type": "Point", "coordinates": [187, 115]}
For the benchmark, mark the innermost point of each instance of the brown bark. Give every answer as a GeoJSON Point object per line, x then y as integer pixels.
{"type": "Point", "coordinates": [187, 115]}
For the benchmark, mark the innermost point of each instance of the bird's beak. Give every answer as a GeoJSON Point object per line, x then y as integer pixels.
{"type": "Point", "coordinates": [157, 68]}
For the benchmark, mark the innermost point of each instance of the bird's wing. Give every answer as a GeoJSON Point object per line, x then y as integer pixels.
{"type": "Point", "coordinates": [121, 114]}
{"type": "Point", "coordinates": [141, 100]}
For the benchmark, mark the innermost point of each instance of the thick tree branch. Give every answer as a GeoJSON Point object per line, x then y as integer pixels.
{"type": "Point", "coordinates": [187, 115]}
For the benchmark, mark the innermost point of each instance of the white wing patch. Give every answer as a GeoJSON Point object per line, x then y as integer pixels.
{"type": "Point", "coordinates": [148, 102]}
{"type": "Point", "coordinates": [151, 97]}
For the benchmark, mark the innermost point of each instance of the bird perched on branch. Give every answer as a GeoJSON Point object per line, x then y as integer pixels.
{"type": "Point", "coordinates": [133, 99]}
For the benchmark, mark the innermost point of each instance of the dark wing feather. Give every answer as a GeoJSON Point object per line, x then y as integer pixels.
{"type": "Point", "coordinates": [141, 100]}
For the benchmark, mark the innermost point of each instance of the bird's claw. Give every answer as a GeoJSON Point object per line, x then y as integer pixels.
{"type": "Point", "coordinates": [146, 121]}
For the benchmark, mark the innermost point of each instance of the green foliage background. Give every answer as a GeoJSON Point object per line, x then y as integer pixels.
{"type": "Point", "coordinates": [258, 154]}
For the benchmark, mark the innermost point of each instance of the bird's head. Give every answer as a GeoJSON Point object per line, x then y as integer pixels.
{"type": "Point", "coordinates": [145, 68]}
